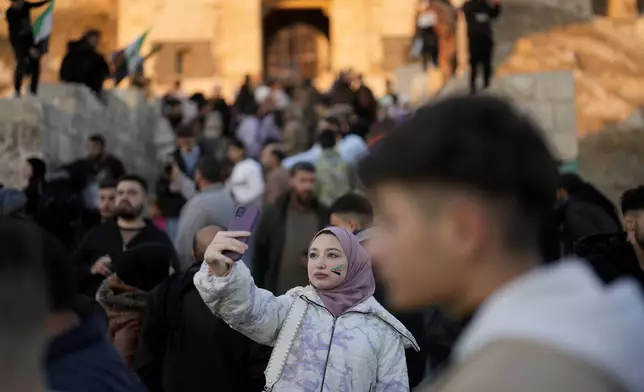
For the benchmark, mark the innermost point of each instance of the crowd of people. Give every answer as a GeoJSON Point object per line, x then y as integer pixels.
{"type": "Point", "coordinates": [433, 249]}
{"type": "Point", "coordinates": [474, 248]}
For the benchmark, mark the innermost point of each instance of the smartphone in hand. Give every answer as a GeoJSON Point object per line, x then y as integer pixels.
{"type": "Point", "coordinates": [244, 219]}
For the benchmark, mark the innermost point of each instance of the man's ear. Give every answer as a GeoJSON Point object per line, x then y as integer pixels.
{"type": "Point", "coordinates": [353, 224]}
{"type": "Point", "coordinates": [629, 223]}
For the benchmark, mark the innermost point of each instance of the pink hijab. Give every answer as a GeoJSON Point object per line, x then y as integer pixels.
{"type": "Point", "coordinates": [359, 283]}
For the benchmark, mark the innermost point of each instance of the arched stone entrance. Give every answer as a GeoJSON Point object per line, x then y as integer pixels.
{"type": "Point", "coordinates": [295, 41]}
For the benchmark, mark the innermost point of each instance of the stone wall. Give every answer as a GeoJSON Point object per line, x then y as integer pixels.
{"type": "Point", "coordinates": [56, 124]}
{"type": "Point", "coordinates": [614, 159]}
{"type": "Point", "coordinates": [524, 17]}
{"type": "Point", "coordinates": [549, 97]}
{"type": "Point", "coordinates": [583, 8]}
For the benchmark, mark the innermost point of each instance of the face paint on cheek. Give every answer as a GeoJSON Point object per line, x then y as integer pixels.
{"type": "Point", "coordinates": [338, 269]}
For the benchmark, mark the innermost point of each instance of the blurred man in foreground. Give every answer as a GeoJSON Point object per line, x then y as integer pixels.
{"type": "Point", "coordinates": [23, 302]}
{"type": "Point", "coordinates": [460, 191]}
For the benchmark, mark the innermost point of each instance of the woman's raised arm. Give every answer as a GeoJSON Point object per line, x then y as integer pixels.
{"type": "Point", "coordinates": [228, 289]}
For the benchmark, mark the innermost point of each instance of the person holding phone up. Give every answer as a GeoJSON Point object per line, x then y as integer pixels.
{"type": "Point", "coordinates": [331, 335]}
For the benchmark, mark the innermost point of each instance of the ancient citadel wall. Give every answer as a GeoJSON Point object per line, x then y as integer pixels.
{"type": "Point", "coordinates": [56, 125]}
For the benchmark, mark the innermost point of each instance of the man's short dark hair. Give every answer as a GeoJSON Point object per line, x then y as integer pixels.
{"type": "Point", "coordinates": [354, 204]}
{"type": "Point", "coordinates": [210, 168]}
{"type": "Point", "coordinates": [333, 121]}
{"type": "Point", "coordinates": [92, 33]}
{"type": "Point", "coordinates": [327, 139]}
{"type": "Point", "coordinates": [108, 183]}
{"type": "Point", "coordinates": [279, 154]}
{"type": "Point", "coordinates": [479, 144]}
{"type": "Point", "coordinates": [633, 200]}
{"type": "Point", "coordinates": [135, 178]}
{"type": "Point", "coordinates": [98, 139]}
{"type": "Point", "coordinates": [302, 167]}
{"type": "Point", "coordinates": [186, 131]}
{"type": "Point", "coordinates": [237, 143]}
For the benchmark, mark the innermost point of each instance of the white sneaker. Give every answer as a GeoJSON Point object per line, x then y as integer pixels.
{"type": "Point", "coordinates": [16, 95]}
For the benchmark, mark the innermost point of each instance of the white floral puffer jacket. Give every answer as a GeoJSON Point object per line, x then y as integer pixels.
{"type": "Point", "coordinates": [360, 351]}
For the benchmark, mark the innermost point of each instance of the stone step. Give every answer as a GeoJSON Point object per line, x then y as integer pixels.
{"type": "Point", "coordinates": [519, 18]}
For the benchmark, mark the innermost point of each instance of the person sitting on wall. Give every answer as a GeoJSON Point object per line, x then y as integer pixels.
{"type": "Point", "coordinates": [83, 64]}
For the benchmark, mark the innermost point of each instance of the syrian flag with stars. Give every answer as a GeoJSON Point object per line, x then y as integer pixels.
{"type": "Point", "coordinates": [42, 28]}
{"type": "Point", "coordinates": [126, 60]}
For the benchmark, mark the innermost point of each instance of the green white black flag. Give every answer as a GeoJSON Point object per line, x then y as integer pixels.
{"type": "Point", "coordinates": [126, 60]}
{"type": "Point", "coordinates": [42, 28]}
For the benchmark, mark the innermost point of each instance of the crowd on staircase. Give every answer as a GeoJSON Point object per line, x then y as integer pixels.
{"type": "Point", "coordinates": [393, 249]}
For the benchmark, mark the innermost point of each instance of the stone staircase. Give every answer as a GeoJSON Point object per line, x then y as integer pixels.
{"type": "Point", "coordinates": [56, 124]}
{"type": "Point", "coordinates": [519, 18]}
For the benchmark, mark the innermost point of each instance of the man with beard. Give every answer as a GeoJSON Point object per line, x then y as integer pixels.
{"type": "Point", "coordinates": [107, 241]}
{"type": "Point", "coordinates": [619, 255]}
{"type": "Point", "coordinates": [285, 232]}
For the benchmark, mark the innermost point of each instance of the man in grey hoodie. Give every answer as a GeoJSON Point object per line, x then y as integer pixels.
{"type": "Point", "coordinates": [460, 190]}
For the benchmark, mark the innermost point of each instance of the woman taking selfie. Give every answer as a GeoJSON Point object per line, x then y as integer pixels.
{"type": "Point", "coordinates": [329, 336]}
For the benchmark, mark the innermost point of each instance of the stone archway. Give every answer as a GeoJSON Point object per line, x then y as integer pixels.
{"type": "Point", "coordinates": [295, 41]}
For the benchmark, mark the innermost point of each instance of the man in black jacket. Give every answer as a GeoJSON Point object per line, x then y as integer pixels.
{"type": "Point", "coordinates": [479, 15]}
{"type": "Point", "coordinates": [22, 41]}
{"type": "Point", "coordinates": [285, 231]}
{"type": "Point", "coordinates": [619, 255]}
{"type": "Point", "coordinates": [107, 241]}
{"type": "Point", "coordinates": [83, 64]}
{"type": "Point", "coordinates": [184, 347]}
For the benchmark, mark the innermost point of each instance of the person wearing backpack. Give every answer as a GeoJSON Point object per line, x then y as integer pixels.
{"type": "Point", "coordinates": [183, 347]}
{"type": "Point", "coordinates": [333, 173]}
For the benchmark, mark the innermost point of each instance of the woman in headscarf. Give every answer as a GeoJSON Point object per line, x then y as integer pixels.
{"type": "Point", "coordinates": [331, 335]}
{"type": "Point", "coordinates": [35, 170]}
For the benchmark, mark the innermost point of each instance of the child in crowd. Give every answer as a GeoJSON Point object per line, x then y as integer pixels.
{"type": "Point", "coordinates": [124, 294]}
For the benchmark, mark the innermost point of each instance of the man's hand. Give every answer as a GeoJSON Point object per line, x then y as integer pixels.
{"type": "Point", "coordinates": [33, 52]}
{"type": "Point", "coordinates": [102, 266]}
{"type": "Point", "coordinates": [218, 263]}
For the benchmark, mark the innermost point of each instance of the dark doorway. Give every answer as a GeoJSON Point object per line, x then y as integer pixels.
{"type": "Point", "coordinates": [600, 7]}
{"type": "Point", "coordinates": [295, 40]}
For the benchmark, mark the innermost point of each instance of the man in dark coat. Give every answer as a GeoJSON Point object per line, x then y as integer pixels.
{"type": "Point", "coordinates": [479, 15]}
{"type": "Point", "coordinates": [619, 255]}
{"type": "Point", "coordinates": [183, 347]}
{"type": "Point", "coordinates": [285, 231]}
{"type": "Point", "coordinates": [83, 64]}
{"type": "Point", "coordinates": [104, 243]}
